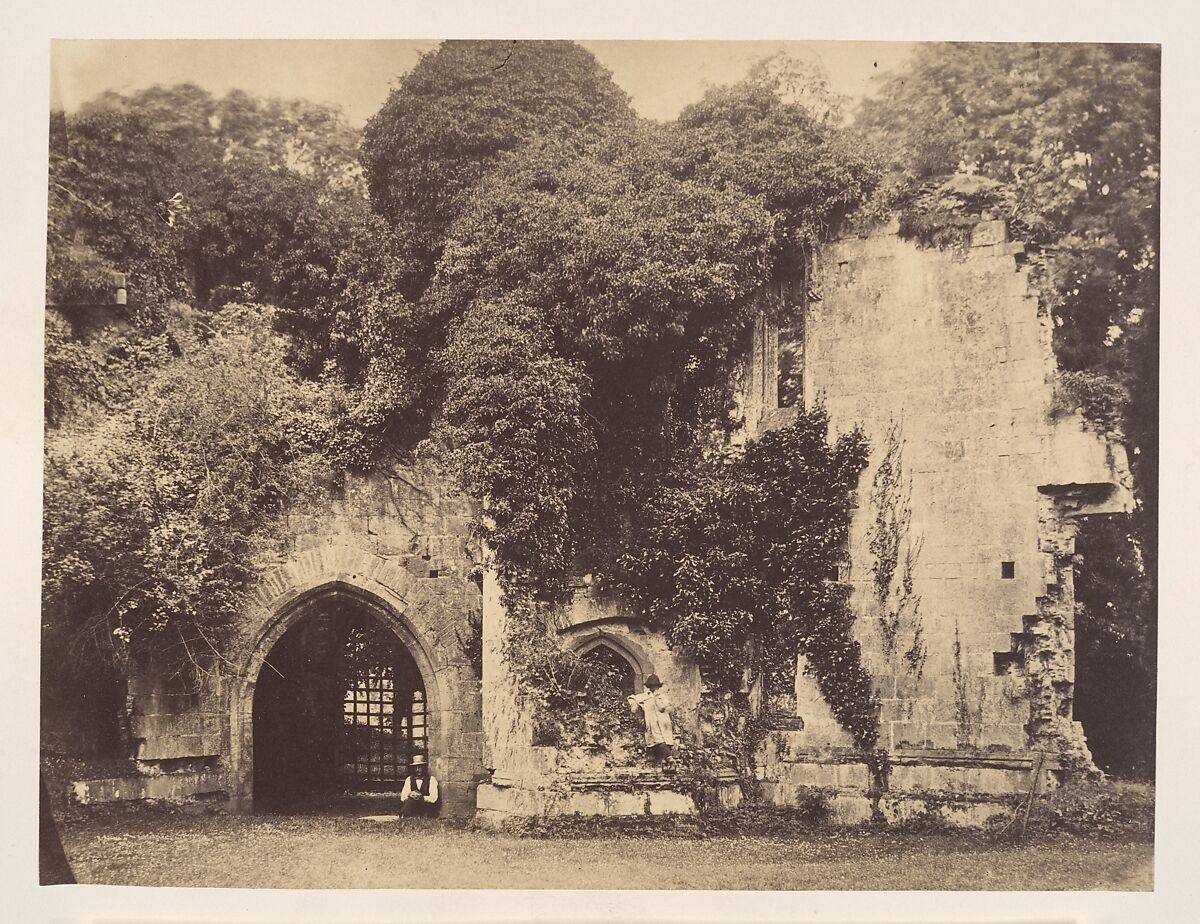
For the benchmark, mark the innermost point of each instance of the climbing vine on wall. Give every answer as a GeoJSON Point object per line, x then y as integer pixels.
{"type": "Point", "coordinates": [732, 735]}
{"type": "Point", "coordinates": [968, 716]}
{"type": "Point", "coordinates": [593, 304]}
{"type": "Point", "coordinates": [733, 562]}
{"type": "Point", "coordinates": [894, 558]}
{"type": "Point", "coordinates": [574, 701]}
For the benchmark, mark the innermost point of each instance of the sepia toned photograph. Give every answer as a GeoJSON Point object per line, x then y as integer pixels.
{"type": "Point", "coordinates": [616, 465]}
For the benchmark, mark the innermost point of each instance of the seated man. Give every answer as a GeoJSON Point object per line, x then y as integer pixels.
{"type": "Point", "coordinates": [420, 793]}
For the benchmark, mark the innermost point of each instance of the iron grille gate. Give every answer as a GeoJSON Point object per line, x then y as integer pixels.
{"type": "Point", "coordinates": [383, 725]}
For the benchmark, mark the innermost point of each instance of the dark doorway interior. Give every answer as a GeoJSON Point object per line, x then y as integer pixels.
{"type": "Point", "coordinates": [1116, 644]}
{"type": "Point", "coordinates": [339, 708]}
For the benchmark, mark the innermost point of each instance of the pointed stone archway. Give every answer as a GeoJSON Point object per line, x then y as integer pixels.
{"type": "Point", "coordinates": [596, 641]}
{"type": "Point", "coordinates": [427, 616]}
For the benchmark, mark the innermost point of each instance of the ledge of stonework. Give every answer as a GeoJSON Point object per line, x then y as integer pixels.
{"type": "Point", "coordinates": [167, 786]}
{"type": "Point", "coordinates": [953, 757]}
{"type": "Point", "coordinates": [949, 757]}
{"type": "Point", "coordinates": [625, 778]}
{"type": "Point", "coordinates": [621, 791]}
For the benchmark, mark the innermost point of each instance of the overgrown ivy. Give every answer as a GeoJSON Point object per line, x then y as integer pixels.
{"type": "Point", "coordinates": [573, 701]}
{"type": "Point", "coordinates": [735, 563]}
{"type": "Point", "coordinates": [155, 514]}
{"type": "Point", "coordinates": [732, 734]}
{"type": "Point", "coordinates": [595, 302]}
{"type": "Point", "coordinates": [943, 212]}
{"type": "Point", "coordinates": [1101, 400]}
{"type": "Point", "coordinates": [895, 554]}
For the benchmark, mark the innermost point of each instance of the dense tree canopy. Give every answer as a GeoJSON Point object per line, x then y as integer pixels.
{"type": "Point", "coordinates": [645, 263]}
{"type": "Point", "coordinates": [750, 138]}
{"type": "Point", "coordinates": [1071, 134]}
{"type": "Point", "coordinates": [153, 513]}
{"type": "Point", "coordinates": [193, 197]}
{"type": "Point", "coordinates": [513, 420]}
{"type": "Point", "coordinates": [641, 281]}
{"type": "Point", "coordinates": [443, 128]}
{"type": "Point", "coordinates": [465, 104]}
{"type": "Point", "coordinates": [640, 247]}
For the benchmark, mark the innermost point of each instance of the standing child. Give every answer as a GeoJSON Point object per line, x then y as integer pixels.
{"type": "Point", "coordinates": [656, 712]}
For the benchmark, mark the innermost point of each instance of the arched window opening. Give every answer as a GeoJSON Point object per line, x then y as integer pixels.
{"type": "Point", "coordinates": [619, 671]}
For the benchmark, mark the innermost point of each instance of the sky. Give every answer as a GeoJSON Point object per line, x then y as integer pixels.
{"type": "Point", "coordinates": [661, 77]}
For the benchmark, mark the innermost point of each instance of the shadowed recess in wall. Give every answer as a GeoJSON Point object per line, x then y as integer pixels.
{"type": "Point", "coordinates": [339, 707]}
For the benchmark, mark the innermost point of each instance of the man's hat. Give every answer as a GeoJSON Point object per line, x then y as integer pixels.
{"type": "Point", "coordinates": [652, 681]}
{"type": "Point", "coordinates": [418, 760]}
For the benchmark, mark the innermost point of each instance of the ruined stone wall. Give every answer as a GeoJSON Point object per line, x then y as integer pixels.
{"type": "Point", "coordinates": [533, 779]}
{"type": "Point", "coordinates": [398, 544]}
{"type": "Point", "coordinates": [949, 351]}
{"type": "Point", "coordinates": [947, 354]}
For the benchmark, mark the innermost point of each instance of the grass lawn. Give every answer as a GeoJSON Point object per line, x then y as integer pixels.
{"type": "Point", "coordinates": [324, 851]}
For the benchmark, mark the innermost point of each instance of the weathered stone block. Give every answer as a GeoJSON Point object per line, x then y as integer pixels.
{"type": "Point", "coordinates": [666, 802]}
{"type": "Point", "coordinates": [989, 232]}
{"type": "Point", "coordinates": [847, 809]}
{"type": "Point", "coordinates": [1008, 734]}
{"type": "Point", "coordinates": [170, 747]}
{"type": "Point", "coordinates": [174, 786]}
{"type": "Point", "coordinates": [910, 734]}
{"type": "Point", "coordinates": [852, 776]}
{"type": "Point", "coordinates": [170, 703]}
{"type": "Point", "coordinates": [979, 780]}
{"type": "Point", "coordinates": [806, 774]}
{"type": "Point", "coordinates": [516, 801]}
{"type": "Point", "coordinates": [169, 725]}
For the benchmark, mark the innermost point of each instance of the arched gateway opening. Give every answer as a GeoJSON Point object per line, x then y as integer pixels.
{"type": "Point", "coordinates": [339, 704]}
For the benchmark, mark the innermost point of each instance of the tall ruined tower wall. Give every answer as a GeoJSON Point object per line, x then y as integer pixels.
{"type": "Point", "coordinates": [948, 355]}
